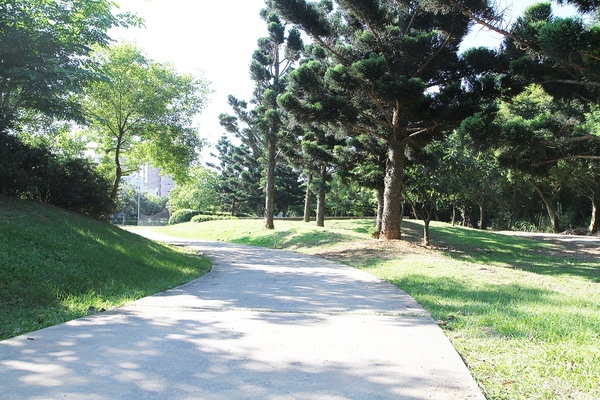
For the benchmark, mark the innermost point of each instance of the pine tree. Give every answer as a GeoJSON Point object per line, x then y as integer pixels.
{"type": "Point", "coordinates": [262, 127]}
{"type": "Point", "coordinates": [394, 73]}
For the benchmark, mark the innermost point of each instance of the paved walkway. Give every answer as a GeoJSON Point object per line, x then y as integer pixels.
{"type": "Point", "coordinates": [263, 324]}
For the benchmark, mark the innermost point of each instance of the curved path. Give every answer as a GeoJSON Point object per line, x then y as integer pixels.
{"type": "Point", "coordinates": [263, 324]}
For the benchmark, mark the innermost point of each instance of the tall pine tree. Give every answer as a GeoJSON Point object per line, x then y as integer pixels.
{"type": "Point", "coordinates": [395, 74]}
{"type": "Point", "coordinates": [262, 127]}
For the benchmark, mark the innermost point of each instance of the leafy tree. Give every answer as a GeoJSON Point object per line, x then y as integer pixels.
{"type": "Point", "coordinates": [33, 172]}
{"type": "Point", "coordinates": [141, 112]}
{"type": "Point", "coordinates": [45, 48]}
{"type": "Point", "coordinates": [395, 74]}
{"type": "Point", "coordinates": [199, 193]}
{"type": "Point", "coordinates": [349, 199]}
{"type": "Point", "coordinates": [263, 127]}
{"type": "Point", "coordinates": [421, 189]}
{"type": "Point", "coordinates": [536, 134]}
{"type": "Point", "coordinates": [470, 175]}
{"type": "Point", "coordinates": [60, 137]}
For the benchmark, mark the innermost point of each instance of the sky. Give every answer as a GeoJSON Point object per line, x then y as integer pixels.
{"type": "Point", "coordinates": [216, 38]}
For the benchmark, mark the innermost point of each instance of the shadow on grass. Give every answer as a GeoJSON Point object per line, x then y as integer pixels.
{"type": "Point", "coordinates": [483, 247]}
{"type": "Point", "coordinates": [292, 238]}
{"type": "Point", "coordinates": [512, 310]}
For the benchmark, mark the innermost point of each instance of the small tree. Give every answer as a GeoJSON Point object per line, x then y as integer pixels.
{"type": "Point", "coordinates": [199, 193]}
{"type": "Point", "coordinates": [141, 112]}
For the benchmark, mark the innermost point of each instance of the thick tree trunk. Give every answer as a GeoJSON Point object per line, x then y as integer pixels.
{"type": "Point", "coordinates": [270, 186]}
{"type": "Point", "coordinates": [321, 207]}
{"type": "Point", "coordinates": [392, 205]}
{"type": "Point", "coordinates": [307, 199]}
{"type": "Point", "coordinates": [321, 197]}
{"type": "Point", "coordinates": [379, 218]}
{"type": "Point", "coordinates": [549, 203]}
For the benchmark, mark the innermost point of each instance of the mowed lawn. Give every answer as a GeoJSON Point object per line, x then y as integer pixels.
{"type": "Point", "coordinates": [56, 265]}
{"type": "Point", "coordinates": [524, 314]}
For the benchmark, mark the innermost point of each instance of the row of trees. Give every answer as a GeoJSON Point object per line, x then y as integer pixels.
{"type": "Point", "coordinates": [383, 96]}
{"type": "Point", "coordinates": [67, 88]}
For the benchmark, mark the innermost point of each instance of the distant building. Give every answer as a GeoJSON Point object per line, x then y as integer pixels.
{"type": "Point", "coordinates": [154, 183]}
{"type": "Point", "coordinates": [149, 180]}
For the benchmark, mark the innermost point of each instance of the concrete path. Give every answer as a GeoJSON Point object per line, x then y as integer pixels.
{"type": "Point", "coordinates": [263, 324]}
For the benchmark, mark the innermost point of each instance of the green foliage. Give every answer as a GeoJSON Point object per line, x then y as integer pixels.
{"type": "Point", "coordinates": [45, 48]}
{"type": "Point", "coordinates": [198, 193]}
{"type": "Point", "coordinates": [211, 217]}
{"type": "Point", "coordinates": [56, 266]}
{"type": "Point", "coordinates": [159, 104]}
{"type": "Point", "coordinates": [393, 72]}
{"type": "Point", "coordinates": [33, 172]}
{"type": "Point", "coordinates": [181, 216]}
{"type": "Point", "coordinates": [561, 54]}
{"type": "Point", "coordinates": [239, 185]}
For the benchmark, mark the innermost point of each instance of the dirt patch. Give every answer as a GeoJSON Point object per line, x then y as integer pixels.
{"type": "Point", "coordinates": [568, 246]}
{"type": "Point", "coordinates": [575, 247]}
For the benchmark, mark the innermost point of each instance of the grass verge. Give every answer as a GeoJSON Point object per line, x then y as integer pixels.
{"type": "Point", "coordinates": [523, 314]}
{"type": "Point", "coordinates": [56, 266]}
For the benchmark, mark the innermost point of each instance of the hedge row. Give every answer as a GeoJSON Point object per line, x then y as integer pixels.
{"type": "Point", "coordinates": [187, 215]}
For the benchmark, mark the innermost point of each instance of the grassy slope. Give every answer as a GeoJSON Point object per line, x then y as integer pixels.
{"type": "Point", "coordinates": [525, 319]}
{"type": "Point", "coordinates": [56, 265]}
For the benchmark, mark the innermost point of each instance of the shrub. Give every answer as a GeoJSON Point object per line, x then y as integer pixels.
{"type": "Point", "coordinates": [34, 172]}
{"type": "Point", "coordinates": [211, 217]}
{"type": "Point", "coordinates": [181, 216]}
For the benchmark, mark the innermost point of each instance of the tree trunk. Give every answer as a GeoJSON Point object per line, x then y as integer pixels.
{"type": "Point", "coordinates": [549, 203]}
{"type": "Point", "coordinates": [307, 199]}
{"type": "Point", "coordinates": [392, 204]}
{"type": "Point", "coordinates": [481, 215]}
{"type": "Point", "coordinates": [379, 217]}
{"type": "Point", "coordinates": [321, 197]}
{"type": "Point", "coordinates": [426, 240]}
{"type": "Point", "coordinates": [321, 207]}
{"type": "Point", "coordinates": [270, 186]}
{"type": "Point", "coordinates": [453, 214]}
{"type": "Point", "coordinates": [118, 169]}
{"type": "Point", "coordinates": [118, 175]}
{"type": "Point", "coordinates": [595, 220]}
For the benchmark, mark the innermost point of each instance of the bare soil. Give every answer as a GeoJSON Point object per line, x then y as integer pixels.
{"type": "Point", "coordinates": [586, 248]}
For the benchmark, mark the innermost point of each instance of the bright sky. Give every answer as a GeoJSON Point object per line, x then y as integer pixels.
{"type": "Point", "coordinates": [217, 38]}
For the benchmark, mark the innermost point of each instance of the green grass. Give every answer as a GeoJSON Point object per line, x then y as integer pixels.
{"type": "Point", "coordinates": [56, 266]}
{"type": "Point", "coordinates": [523, 315]}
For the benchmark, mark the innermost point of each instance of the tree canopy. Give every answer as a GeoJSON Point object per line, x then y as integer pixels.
{"type": "Point", "coordinates": [141, 112]}
{"type": "Point", "coordinates": [395, 74]}
{"type": "Point", "coordinates": [45, 49]}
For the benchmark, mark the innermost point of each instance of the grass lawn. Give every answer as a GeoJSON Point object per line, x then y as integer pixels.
{"type": "Point", "coordinates": [56, 266]}
{"type": "Point", "coordinates": [523, 314]}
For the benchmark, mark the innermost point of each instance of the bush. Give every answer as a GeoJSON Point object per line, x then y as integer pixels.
{"type": "Point", "coordinates": [181, 216]}
{"type": "Point", "coordinates": [34, 172]}
{"type": "Point", "coordinates": [211, 217]}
